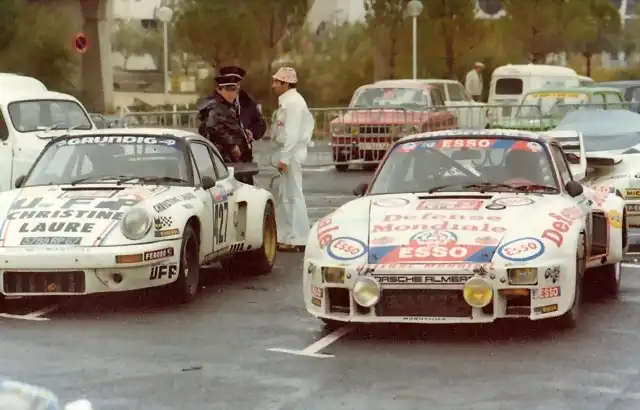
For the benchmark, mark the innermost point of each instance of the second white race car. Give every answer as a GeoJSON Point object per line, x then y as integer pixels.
{"type": "Point", "coordinates": [119, 210]}
{"type": "Point", "coordinates": [465, 227]}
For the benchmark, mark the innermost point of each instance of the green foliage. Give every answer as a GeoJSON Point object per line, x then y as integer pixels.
{"type": "Point", "coordinates": [128, 39]}
{"type": "Point", "coordinates": [8, 22]}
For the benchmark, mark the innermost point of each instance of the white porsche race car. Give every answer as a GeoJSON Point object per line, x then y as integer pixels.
{"type": "Point", "coordinates": [120, 210]}
{"type": "Point", "coordinates": [465, 227]}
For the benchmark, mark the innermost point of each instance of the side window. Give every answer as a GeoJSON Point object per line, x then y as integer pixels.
{"type": "Point", "coordinates": [221, 168]}
{"type": "Point", "coordinates": [4, 130]}
{"type": "Point", "coordinates": [561, 163]}
{"type": "Point", "coordinates": [613, 101]}
{"type": "Point", "coordinates": [437, 99]}
{"type": "Point", "coordinates": [457, 93]}
{"type": "Point", "coordinates": [203, 160]}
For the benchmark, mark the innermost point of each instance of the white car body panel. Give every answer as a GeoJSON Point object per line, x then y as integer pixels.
{"type": "Point", "coordinates": [77, 228]}
{"type": "Point", "coordinates": [384, 236]}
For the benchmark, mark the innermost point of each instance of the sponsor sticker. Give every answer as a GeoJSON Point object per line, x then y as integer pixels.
{"type": "Point", "coordinates": [50, 240]}
{"type": "Point", "coordinates": [105, 139]}
{"type": "Point", "coordinates": [433, 237]}
{"type": "Point", "coordinates": [450, 204]}
{"type": "Point", "coordinates": [167, 232]}
{"type": "Point", "coordinates": [522, 249]}
{"type": "Point", "coordinates": [430, 253]}
{"type": "Point", "coordinates": [161, 222]}
{"type": "Point", "coordinates": [546, 293]}
{"type": "Point", "coordinates": [391, 202]}
{"type": "Point", "coordinates": [615, 219]}
{"type": "Point", "coordinates": [163, 271]}
{"type": "Point", "coordinates": [633, 193]}
{"type": "Point", "coordinates": [346, 248]}
{"type": "Point", "coordinates": [423, 279]}
{"type": "Point", "coordinates": [326, 230]}
{"type": "Point", "coordinates": [545, 309]}
{"type": "Point", "coordinates": [486, 240]}
{"type": "Point", "coordinates": [514, 201]}
{"type": "Point", "coordinates": [633, 208]}
{"type": "Point", "coordinates": [552, 275]}
{"type": "Point", "coordinates": [159, 254]}
{"type": "Point", "coordinates": [562, 223]}
{"type": "Point", "coordinates": [316, 291]}
{"type": "Point", "coordinates": [383, 240]}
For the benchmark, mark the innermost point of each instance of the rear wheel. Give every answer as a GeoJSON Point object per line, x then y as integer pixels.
{"type": "Point", "coordinates": [185, 289]}
{"type": "Point", "coordinates": [570, 319]}
{"type": "Point", "coordinates": [259, 261]}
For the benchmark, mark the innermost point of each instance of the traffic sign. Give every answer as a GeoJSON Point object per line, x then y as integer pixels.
{"type": "Point", "coordinates": [80, 43]}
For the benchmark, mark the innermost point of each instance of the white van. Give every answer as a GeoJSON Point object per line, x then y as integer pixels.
{"type": "Point", "coordinates": [28, 120]}
{"type": "Point", "coordinates": [511, 82]}
{"type": "Point", "coordinates": [11, 82]}
{"type": "Point", "coordinates": [584, 80]}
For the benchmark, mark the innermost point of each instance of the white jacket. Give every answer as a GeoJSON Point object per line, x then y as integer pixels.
{"type": "Point", "coordinates": [473, 83]}
{"type": "Point", "coordinates": [294, 127]}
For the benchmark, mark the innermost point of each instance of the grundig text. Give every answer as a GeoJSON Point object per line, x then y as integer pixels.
{"type": "Point", "coordinates": [423, 279]}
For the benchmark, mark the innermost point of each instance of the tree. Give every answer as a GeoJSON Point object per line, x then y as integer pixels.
{"type": "Point", "coordinates": [8, 22]}
{"type": "Point", "coordinates": [597, 28]}
{"type": "Point", "coordinates": [538, 27]}
{"type": "Point", "coordinates": [385, 19]}
{"type": "Point", "coordinates": [128, 39]}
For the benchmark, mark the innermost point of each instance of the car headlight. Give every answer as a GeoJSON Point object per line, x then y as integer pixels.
{"type": "Point", "coordinates": [136, 224]}
{"type": "Point", "coordinates": [522, 276]}
{"type": "Point", "coordinates": [477, 292]}
{"type": "Point", "coordinates": [366, 291]}
{"type": "Point", "coordinates": [333, 275]}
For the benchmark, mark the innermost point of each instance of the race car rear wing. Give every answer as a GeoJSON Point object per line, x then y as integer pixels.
{"type": "Point", "coordinates": [580, 163]}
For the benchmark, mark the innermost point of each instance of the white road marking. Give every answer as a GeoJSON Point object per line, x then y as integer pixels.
{"type": "Point", "coordinates": [23, 317]}
{"type": "Point", "coordinates": [313, 349]}
{"type": "Point", "coordinates": [44, 311]}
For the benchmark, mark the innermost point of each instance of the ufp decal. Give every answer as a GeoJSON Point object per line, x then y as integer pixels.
{"type": "Point", "coordinates": [346, 249]}
{"type": "Point", "coordinates": [521, 250]}
{"type": "Point", "coordinates": [391, 202]}
{"type": "Point", "coordinates": [514, 201]}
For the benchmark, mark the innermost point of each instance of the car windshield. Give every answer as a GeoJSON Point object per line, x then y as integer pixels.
{"type": "Point", "coordinates": [625, 141]}
{"type": "Point", "coordinates": [384, 97]}
{"type": "Point", "coordinates": [38, 115]}
{"type": "Point", "coordinates": [554, 105]}
{"type": "Point", "coordinates": [91, 159]}
{"type": "Point", "coordinates": [466, 164]}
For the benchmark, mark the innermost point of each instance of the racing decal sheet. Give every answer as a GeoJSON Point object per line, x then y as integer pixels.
{"type": "Point", "coordinates": [471, 144]}
{"type": "Point", "coordinates": [441, 230]}
{"type": "Point", "coordinates": [85, 217]}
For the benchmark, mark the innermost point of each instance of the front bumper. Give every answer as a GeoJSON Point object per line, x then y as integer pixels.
{"type": "Point", "coordinates": [361, 148]}
{"type": "Point", "coordinates": [437, 295]}
{"type": "Point", "coordinates": [51, 271]}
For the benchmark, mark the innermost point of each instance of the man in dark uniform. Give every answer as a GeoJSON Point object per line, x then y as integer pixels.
{"type": "Point", "coordinates": [219, 120]}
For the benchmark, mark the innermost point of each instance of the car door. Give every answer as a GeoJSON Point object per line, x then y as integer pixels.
{"type": "Point", "coordinates": [215, 217]}
{"type": "Point", "coordinates": [565, 175]}
{"type": "Point", "coordinates": [227, 188]}
{"type": "Point", "coordinates": [6, 157]}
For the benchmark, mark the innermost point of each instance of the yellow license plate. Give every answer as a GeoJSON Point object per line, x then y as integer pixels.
{"type": "Point", "coordinates": [373, 146]}
{"type": "Point", "coordinates": [632, 193]}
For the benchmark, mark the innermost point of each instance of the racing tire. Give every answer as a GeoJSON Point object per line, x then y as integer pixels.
{"type": "Point", "coordinates": [607, 280]}
{"type": "Point", "coordinates": [570, 319]}
{"type": "Point", "coordinates": [185, 288]}
{"type": "Point", "coordinates": [259, 261]}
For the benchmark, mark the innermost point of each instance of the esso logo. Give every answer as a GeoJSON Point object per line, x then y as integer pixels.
{"type": "Point", "coordinates": [433, 253]}
{"type": "Point", "coordinates": [426, 238]}
{"type": "Point", "coordinates": [521, 250]}
{"type": "Point", "coordinates": [408, 147]}
{"type": "Point", "coordinates": [391, 202]}
{"type": "Point", "coordinates": [346, 249]}
{"type": "Point", "coordinates": [514, 201]}
{"type": "Point", "coordinates": [534, 146]}
{"type": "Point", "coordinates": [468, 143]}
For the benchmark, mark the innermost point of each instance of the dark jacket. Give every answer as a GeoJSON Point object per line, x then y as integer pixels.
{"type": "Point", "coordinates": [220, 123]}
{"type": "Point", "coordinates": [250, 116]}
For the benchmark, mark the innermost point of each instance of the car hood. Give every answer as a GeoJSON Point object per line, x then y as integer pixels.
{"type": "Point", "coordinates": [395, 229]}
{"type": "Point", "coordinates": [77, 215]}
{"type": "Point", "coordinates": [380, 117]}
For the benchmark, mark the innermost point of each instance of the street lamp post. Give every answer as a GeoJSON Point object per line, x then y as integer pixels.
{"type": "Point", "coordinates": [165, 14]}
{"type": "Point", "coordinates": [414, 8]}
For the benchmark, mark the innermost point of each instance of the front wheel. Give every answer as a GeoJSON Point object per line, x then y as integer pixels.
{"type": "Point", "coordinates": [185, 288]}
{"type": "Point", "coordinates": [259, 261]}
{"type": "Point", "coordinates": [570, 319]}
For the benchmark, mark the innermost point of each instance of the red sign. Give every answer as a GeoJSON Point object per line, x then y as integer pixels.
{"type": "Point", "coordinates": [80, 43]}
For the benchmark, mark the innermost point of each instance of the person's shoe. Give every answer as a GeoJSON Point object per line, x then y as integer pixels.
{"type": "Point", "coordinates": [282, 247]}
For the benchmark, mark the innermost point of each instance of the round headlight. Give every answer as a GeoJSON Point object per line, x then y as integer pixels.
{"type": "Point", "coordinates": [136, 224]}
{"type": "Point", "coordinates": [366, 291]}
{"type": "Point", "coordinates": [477, 292]}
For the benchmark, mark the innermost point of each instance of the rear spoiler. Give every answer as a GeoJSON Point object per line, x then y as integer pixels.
{"type": "Point", "coordinates": [243, 169]}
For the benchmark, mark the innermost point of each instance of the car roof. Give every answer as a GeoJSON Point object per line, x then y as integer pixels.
{"type": "Point", "coordinates": [173, 132]}
{"type": "Point", "coordinates": [418, 81]}
{"type": "Point", "coordinates": [398, 83]}
{"type": "Point", "coordinates": [475, 133]}
{"type": "Point", "coordinates": [586, 90]}
{"type": "Point", "coordinates": [616, 83]}
{"type": "Point", "coordinates": [10, 96]}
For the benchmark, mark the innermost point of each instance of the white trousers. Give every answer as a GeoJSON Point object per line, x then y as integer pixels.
{"type": "Point", "coordinates": [291, 209]}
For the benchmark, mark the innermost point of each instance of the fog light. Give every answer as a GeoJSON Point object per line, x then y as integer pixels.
{"type": "Point", "coordinates": [333, 275]}
{"type": "Point", "coordinates": [523, 276]}
{"type": "Point", "coordinates": [477, 292]}
{"type": "Point", "coordinates": [366, 291]}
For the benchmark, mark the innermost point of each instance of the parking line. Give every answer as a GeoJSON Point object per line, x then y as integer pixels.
{"type": "Point", "coordinates": [23, 317]}
{"type": "Point", "coordinates": [44, 311]}
{"type": "Point", "coordinates": [313, 349]}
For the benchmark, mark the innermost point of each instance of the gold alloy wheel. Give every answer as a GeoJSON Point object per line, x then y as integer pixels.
{"type": "Point", "coordinates": [269, 236]}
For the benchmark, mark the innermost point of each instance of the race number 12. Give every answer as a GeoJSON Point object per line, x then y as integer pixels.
{"type": "Point", "coordinates": [220, 221]}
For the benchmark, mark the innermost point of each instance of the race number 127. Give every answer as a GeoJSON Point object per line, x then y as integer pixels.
{"type": "Point", "coordinates": [220, 220]}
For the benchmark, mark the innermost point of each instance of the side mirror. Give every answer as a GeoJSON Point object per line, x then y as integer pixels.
{"type": "Point", "coordinates": [361, 189]}
{"type": "Point", "coordinates": [208, 183]}
{"type": "Point", "coordinates": [574, 188]}
{"type": "Point", "coordinates": [19, 181]}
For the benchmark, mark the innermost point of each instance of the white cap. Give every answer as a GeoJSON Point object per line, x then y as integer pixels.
{"type": "Point", "coordinates": [478, 64]}
{"type": "Point", "coordinates": [286, 75]}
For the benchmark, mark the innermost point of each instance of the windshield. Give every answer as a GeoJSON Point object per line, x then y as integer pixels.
{"type": "Point", "coordinates": [465, 164]}
{"type": "Point", "coordinates": [612, 142]}
{"type": "Point", "coordinates": [38, 115]}
{"type": "Point", "coordinates": [135, 159]}
{"type": "Point", "coordinates": [411, 98]}
{"type": "Point", "coordinates": [553, 105]}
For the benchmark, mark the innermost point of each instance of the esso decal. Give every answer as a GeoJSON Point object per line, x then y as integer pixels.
{"type": "Point", "coordinates": [534, 147]}
{"type": "Point", "coordinates": [521, 250]}
{"type": "Point", "coordinates": [438, 252]}
{"type": "Point", "coordinates": [467, 143]}
{"type": "Point", "coordinates": [514, 201]}
{"type": "Point", "coordinates": [391, 202]}
{"type": "Point", "coordinates": [433, 238]}
{"type": "Point", "coordinates": [346, 249]}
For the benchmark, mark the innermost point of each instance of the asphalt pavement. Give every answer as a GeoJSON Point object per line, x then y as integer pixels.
{"type": "Point", "coordinates": [247, 343]}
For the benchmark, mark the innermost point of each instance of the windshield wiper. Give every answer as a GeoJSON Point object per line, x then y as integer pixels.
{"type": "Point", "coordinates": [159, 180]}
{"type": "Point", "coordinates": [119, 178]}
{"type": "Point", "coordinates": [535, 187]}
{"type": "Point", "coordinates": [486, 186]}
{"type": "Point", "coordinates": [441, 187]}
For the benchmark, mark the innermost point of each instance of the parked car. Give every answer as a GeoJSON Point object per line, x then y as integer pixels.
{"type": "Point", "coordinates": [542, 109]}
{"type": "Point", "coordinates": [379, 114]}
{"type": "Point", "coordinates": [630, 88]}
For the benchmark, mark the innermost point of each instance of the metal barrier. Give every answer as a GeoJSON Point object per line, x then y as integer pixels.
{"type": "Point", "coordinates": [347, 136]}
